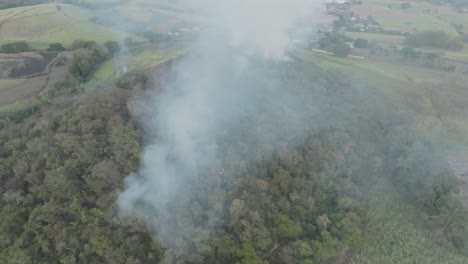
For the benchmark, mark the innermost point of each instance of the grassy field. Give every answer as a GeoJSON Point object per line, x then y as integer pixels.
{"type": "Point", "coordinates": [421, 16]}
{"type": "Point", "coordinates": [377, 71]}
{"type": "Point", "coordinates": [7, 83]}
{"type": "Point", "coordinates": [139, 60]}
{"type": "Point", "coordinates": [150, 58]}
{"type": "Point", "coordinates": [392, 39]}
{"type": "Point", "coordinates": [461, 55]}
{"type": "Point", "coordinates": [19, 107]}
{"type": "Point", "coordinates": [47, 24]}
{"type": "Point", "coordinates": [162, 17]}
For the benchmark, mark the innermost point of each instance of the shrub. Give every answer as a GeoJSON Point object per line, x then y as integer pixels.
{"type": "Point", "coordinates": [55, 47]}
{"type": "Point", "coordinates": [361, 43]}
{"type": "Point", "coordinates": [408, 52]}
{"type": "Point", "coordinates": [16, 47]}
{"type": "Point", "coordinates": [83, 44]}
{"type": "Point", "coordinates": [112, 47]}
{"type": "Point", "coordinates": [66, 86]}
{"type": "Point", "coordinates": [341, 50]}
{"type": "Point", "coordinates": [405, 5]}
{"type": "Point", "coordinates": [85, 62]}
{"type": "Point", "coordinates": [451, 68]}
{"type": "Point", "coordinates": [435, 39]}
{"type": "Point", "coordinates": [154, 37]}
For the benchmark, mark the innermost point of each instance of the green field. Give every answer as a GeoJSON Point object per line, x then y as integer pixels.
{"type": "Point", "coordinates": [139, 60]}
{"type": "Point", "coordinates": [417, 18]}
{"type": "Point", "coordinates": [375, 70]}
{"type": "Point", "coordinates": [392, 39]}
{"type": "Point", "coordinates": [461, 55]}
{"type": "Point", "coordinates": [47, 24]}
{"type": "Point", "coordinates": [150, 58]}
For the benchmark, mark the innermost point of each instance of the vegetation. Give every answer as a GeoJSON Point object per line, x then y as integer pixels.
{"type": "Point", "coordinates": [112, 47]}
{"type": "Point", "coordinates": [341, 50]}
{"type": "Point", "coordinates": [434, 39]}
{"type": "Point", "coordinates": [361, 43]}
{"type": "Point", "coordinates": [86, 60]}
{"type": "Point", "coordinates": [155, 37]}
{"type": "Point", "coordinates": [55, 47]}
{"type": "Point", "coordinates": [18, 3]}
{"type": "Point", "coordinates": [365, 180]}
{"type": "Point", "coordinates": [60, 178]}
{"type": "Point", "coordinates": [15, 47]}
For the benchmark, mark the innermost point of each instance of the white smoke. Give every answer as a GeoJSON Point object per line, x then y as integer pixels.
{"type": "Point", "coordinates": [214, 86]}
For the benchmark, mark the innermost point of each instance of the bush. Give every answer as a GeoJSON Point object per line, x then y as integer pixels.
{"type": "Point", "coordinates": [15, 47]}
{"type": "Point", "coordinates": [112, 47]}
{"type": "Point", "coordinates": [55, 47]}
{"type": "Point", "coordinates": [434, 39]}
{"type": "Point", "coordinates": [361, 43]}
{"type": "Point", "coordinates": [84, 63]}
{"type": "Point", "coordinates": [332, 39]}
{"type": "Point", "coordinates": [66, 86]}
{"type": "Point", "coordinates": [405, 5]}
{"type": "Point", "coordinates": [451, 68]}
{"type": "Point", "coordinates": [341, 50]}
{"type": "Point", "coordinates": [83, 44]}
{"type": "Point", "coordinates": [408, 52]}
{"type": "Point", "coordinates": [154, 37]}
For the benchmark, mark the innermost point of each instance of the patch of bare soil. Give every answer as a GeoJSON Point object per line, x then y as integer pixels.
{"type": "Point", "coordinates": [22, 65]}
{"type": "Point", "coordinates": [31, 64]}
{"type": "Point", "coordinates": [54, 71]}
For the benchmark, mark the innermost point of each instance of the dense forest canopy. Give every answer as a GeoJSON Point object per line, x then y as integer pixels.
{"type": "Point", "coordinates": [304, 201]}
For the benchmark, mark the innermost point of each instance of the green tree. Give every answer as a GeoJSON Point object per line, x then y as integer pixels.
{"type": "Point", "coordinates": [112, 47]}
{"type": "Point", "coordinates": [247, 255]}
{"type": "Point", "coordinates": [55, 47]}
{"type": "Point", "coordinates": [361, 43]}
{"type": "Point", "coordinates": [286, 228]}
{"type": "Point", "coordinates": [15, 47]}
{"type": "Point", "coordinates": [341, 50]}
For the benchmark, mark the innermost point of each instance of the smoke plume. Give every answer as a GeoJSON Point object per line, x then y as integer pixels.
{"type": "Point", "coordinates": [228, 76]}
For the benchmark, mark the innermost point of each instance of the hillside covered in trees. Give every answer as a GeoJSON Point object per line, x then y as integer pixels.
{"type": "Point", "coordinates": [305, 201]}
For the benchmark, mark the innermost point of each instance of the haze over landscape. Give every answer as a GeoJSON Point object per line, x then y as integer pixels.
{"type": "Point", "coordinates": [249, 131]}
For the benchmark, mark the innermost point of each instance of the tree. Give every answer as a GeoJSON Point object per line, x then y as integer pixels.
{"type": "Point", "coordinates": [83, 44]}
{"type": "Point", "coordinates": [286, 228]}
{"type": "Point", "coordinates": [361, 43]}
{"type": "Point", "coordinates": [112, 47]}
{"type": "Point", "coordinates": [85, 62]}
{"type": "Point", "coordinates": [408, 52]}
{"type": "Point", "coordinates": [247, 255]}
{"type": "Point", "coordinates": [341, 50]}
{"type": "Point", "coordinates": [55, 47]}
{"type": "Point", "coordinates": [405, 5]}
{"type": "Point", "coordinates": [155, 37]}
{"type": "Point", "coordinates": [435, 39]}
{"type": "Point", "coordinates": [15, 47]}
